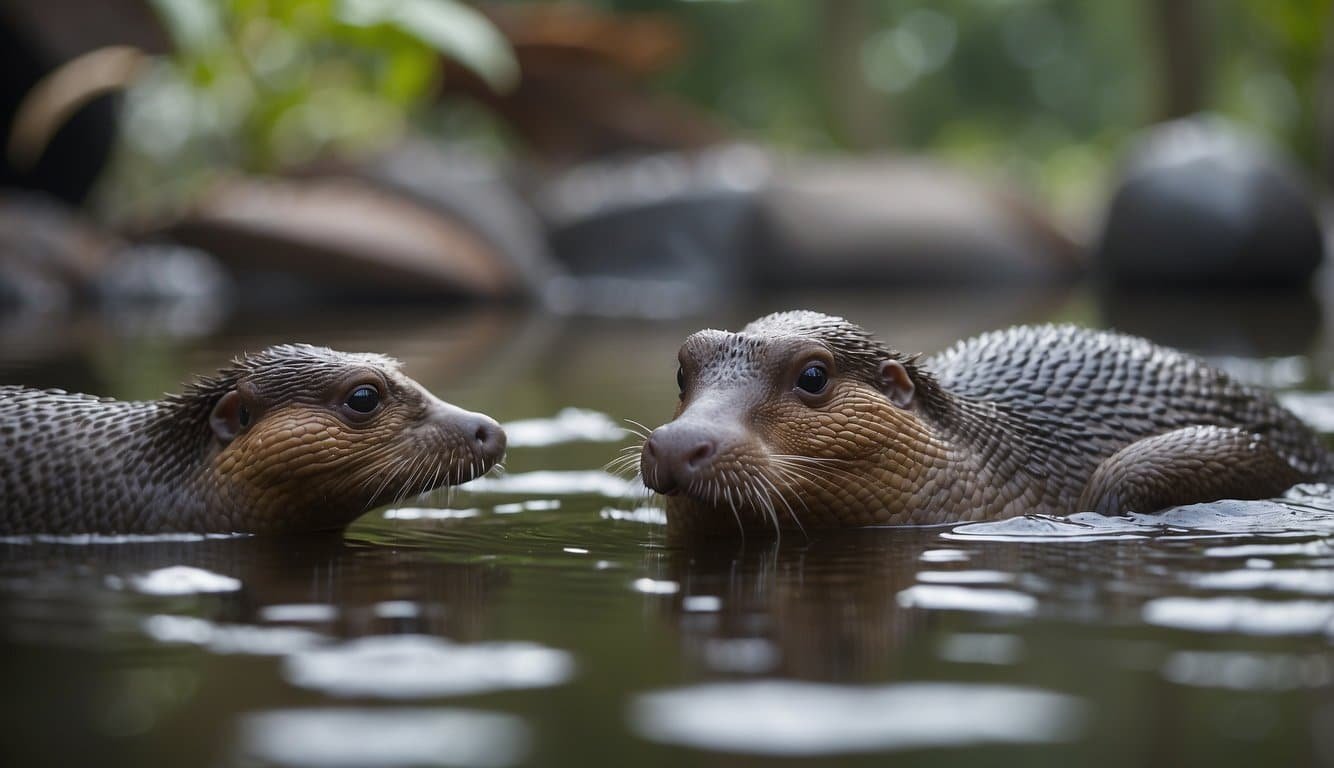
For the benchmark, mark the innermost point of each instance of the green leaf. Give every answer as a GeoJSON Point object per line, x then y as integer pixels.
{"type": "Point", "coordinates": [448, 26]}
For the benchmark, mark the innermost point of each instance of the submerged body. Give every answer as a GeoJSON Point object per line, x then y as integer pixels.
{"type": "Point", "coordinates": [295, 438]}
{"type": "Point", "coordinates": [805, 420]}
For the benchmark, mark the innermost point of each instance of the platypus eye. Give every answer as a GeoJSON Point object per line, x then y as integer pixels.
{"type": "Point", "coordinates": [813, 379]}
{"type": "Point", "coordinates": [363, 399]}
{"type": "Point", "coordinates": [681, 379]}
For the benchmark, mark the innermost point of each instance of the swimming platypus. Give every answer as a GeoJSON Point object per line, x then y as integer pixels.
{"type": "Point", "coordinates": [805, 420]}
{"type": "Point", "coordinates": [294, 438]}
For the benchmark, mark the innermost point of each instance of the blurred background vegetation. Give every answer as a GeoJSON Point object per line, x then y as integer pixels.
{"type": "Point", "coordinates": [263, 85]}
{"type": "Point", "coordinates": [1037, 93]}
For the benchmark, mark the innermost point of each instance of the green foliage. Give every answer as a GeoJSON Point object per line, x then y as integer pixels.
{"type": "Point", "coordinates": [261, 85]}
{"type": "Point", "coordinates": [1271, 78]}
{"type": "Point", "coordinates": [281, 81]}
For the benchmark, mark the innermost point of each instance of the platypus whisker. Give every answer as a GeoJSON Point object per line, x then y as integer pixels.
{"type": "Point", "coordinates": [761, 505]}
{"type": "Point", "coordinates": [778, 495]}
{"type": "Point", "coordinates": [737, 515]}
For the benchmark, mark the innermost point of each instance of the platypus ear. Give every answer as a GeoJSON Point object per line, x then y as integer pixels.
{"type": "Point", "coordinates": [896, 383]}
{"type": "Point", "coordinates": [229, 417]}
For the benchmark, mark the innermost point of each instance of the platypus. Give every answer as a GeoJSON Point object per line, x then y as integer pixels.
{"type": "Point", "coordinates": [294, 438]}
{"type": "Point", "coordinates": [806, 420]}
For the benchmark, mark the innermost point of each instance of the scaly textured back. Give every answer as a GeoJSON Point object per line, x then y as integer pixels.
{"type": "Point", "coordinates": [1073, 397]}
{"type": "Point", "coordinates": [60, 453]}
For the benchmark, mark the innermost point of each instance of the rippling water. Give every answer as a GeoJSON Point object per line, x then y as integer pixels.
{"type": "Point", "coordinates": [539, 618]}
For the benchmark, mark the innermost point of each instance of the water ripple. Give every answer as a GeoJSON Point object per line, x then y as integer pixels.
{"type": "Point", "coordinates": [939, 597]}
{"type": "Point", "coordinates": [1309, 581]}
{"type": "Point", "coordinates": [1304, 510]}
{"type": "Point", "coordinates": [229, 638]}
{"type": "Point", "coordinates": [783, 718]}
{"type": "Point", "coordinates": [384, 737]}
{"type": "Point", "coordinates": [1244, 671]}
{"type": "Point", "coordinates": [1241, 614]}
{"type": "Point", "coordinates": [176, 580]}
{"type": "Point", "coordinates": [569, 425]}
{"type": "Point", "coordinates": [418, 666]}
{"type": "Point", "coordinates": [559, 483]}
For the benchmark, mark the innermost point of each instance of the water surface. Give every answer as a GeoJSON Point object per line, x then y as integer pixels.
{"type": "Point", "coordinates": [539, 617]}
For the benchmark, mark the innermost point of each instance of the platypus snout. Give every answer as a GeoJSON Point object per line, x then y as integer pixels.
{"type": "Point", "coordinates": [481, 433]}
{"type": "Point", "coordinates": [488, 440]}
{"type": "Point", "coordinates": [679, 454]}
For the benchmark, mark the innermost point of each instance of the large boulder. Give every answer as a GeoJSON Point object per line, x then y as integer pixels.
{"type": "Point", "coordinates": [1203, 205]}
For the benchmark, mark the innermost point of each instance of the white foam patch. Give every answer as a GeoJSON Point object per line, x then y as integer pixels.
{"type": "Point", "coordinates": [532, 505]}
{"type": "Point", "coordinates": [558, 483]}
{"type": "Point", "coordinates": [940, 597]}
{"type": "Point", "coordinates": [1308, 581]}
{"type": "Point", "coordinates": [569, 425]}
{"type": "Point", "coordinates": [176, 580]}
{"type": "Point", "coordinates": [429, 513]}
{"type": "Point", "coordinates": [965, 577]}
{"type": "Point", "coordinates": [335, 738]}
{"type": "Point", "coordinates": [782, 718]}
{"type": "Point", "coordinates": [1241, 614]}
{"type": "Point", "coordinates": [1318, 548]}
{"type": "Point", "coordinates": [1243, 671]}
{"type": "Point", "coordinates": [944, 556]}
{"type": "Point", "coordinates": [702, 603]}
{"type": "Point", "coordinates": [647, 515]}
{"type": "Point", "coordinates": [420, 666]}
{"type": "Point", "coordinates": [655, 587]}
{"type": "Point", "coordinates": [299, 612]}
{"type": "Point", "coordinates": [229, 638]}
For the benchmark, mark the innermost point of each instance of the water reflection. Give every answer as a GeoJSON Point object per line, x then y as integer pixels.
{"type": "Point", "coordinates": [838, 607]}
{"type": "Point", "coordinates": [1245, 615]}
{"type": "Point", "coordinates": [176, 580]}
{"type": "Point", "coordinates": [153, 623]}
{"type": "Point", "coordinates": [1242, 671]}
{"type": "Point", "coordinates": [420, 666]}
{"type": "Point", "coordinates": [806, 719]}
{"type": "Point", "coordinates": [81, 598]}
{"type": "Point", "coordinates": [383, 737]}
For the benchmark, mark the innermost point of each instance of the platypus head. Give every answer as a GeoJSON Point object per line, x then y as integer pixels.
{"type": "Point", "coordinates": [300, 438]}
{"type": "Point", "coordinates": [800, 420]}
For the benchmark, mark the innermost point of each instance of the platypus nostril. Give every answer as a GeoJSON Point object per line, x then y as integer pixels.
{"type": "Point", "coordinates": [489, 438]}
{"type": "Point", "coordinates": [673, 456]}
{"type": "Point", "coordinates": [700, 455]}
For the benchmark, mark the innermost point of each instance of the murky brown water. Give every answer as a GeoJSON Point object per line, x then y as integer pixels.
{"type": "Point", "coordinates": [540, 619]}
